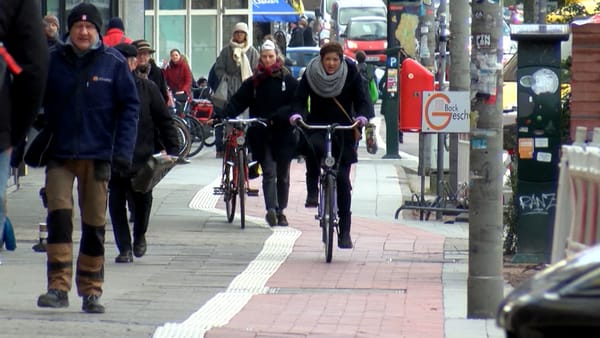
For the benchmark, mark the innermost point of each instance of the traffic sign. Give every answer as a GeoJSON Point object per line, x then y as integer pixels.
{"type": "Point", "coordinates": [392, 62]}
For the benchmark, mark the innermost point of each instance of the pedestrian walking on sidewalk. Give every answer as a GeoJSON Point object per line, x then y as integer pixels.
{"type": "Point", "coordinates": [153, 115]}
{"type": "Point", "coordinates": [334, 87]}
{"type": "Point", "coordinates": [22, 82]}
{"type": "Point", "coordinates": [268, 94]}
{"type": "Point", "coordinates": [235, 63]}
{"type": "Point", "coordinates": [92, 109]}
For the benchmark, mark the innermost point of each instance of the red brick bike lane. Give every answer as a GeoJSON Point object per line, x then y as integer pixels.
{"type": "Point", "coordinates": [388, 285]}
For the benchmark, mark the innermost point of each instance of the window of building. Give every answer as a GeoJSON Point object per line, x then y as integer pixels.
{"type": "Point", "coordinates": [171, 34]}
{"type": "Point", "coordinates": [204, 44]}
{"type": "Point", "coordinates": [204, 4]}
{"type": "Point", "coordinates": [171, 4]}
{"type": "Point", "coordinates": [241, 4]}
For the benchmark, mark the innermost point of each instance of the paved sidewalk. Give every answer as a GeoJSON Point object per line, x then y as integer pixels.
{"type": "Point", "coordinates": [205, 277]}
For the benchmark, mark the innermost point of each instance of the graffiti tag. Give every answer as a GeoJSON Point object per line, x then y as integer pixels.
{"type": "Point", "coordinates": [537, 204]}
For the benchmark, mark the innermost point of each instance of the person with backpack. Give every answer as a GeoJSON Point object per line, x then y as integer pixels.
{"type": "Point", "coordinates": [23, 72]}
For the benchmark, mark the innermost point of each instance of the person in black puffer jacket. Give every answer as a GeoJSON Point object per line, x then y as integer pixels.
{"type": "Point", "coordinates": [268, 94]}
{"type": "Point", "coordinates": [153, 115]}
{"type": "Point", "coordinates": [327, 79]}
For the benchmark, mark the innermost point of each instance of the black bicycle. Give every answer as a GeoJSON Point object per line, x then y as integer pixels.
{"type": "Point", "coordinates": [327, 211]}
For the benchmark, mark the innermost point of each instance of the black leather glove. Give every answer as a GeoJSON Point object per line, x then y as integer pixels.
{"type": "Point", "coordinates": [121, 165]}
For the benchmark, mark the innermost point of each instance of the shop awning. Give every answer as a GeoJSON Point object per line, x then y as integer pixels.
{"type": "Point", "coordinates": [273, 11]}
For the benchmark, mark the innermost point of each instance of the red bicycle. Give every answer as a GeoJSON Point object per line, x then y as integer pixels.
{"type": "Point", "coordinates": [234, 177]}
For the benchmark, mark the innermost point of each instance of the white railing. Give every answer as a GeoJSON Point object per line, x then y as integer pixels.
{"type": "Point", "coordinates": [577, 221]}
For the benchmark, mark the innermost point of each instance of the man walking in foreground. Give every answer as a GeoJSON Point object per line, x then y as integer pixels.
{"type": "Point", "coordinates": [92, 107]}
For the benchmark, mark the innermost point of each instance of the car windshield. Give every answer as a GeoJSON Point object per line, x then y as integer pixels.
{"type": "Point", "coordinates": [586, 285]}
{"type": "Point", "coordinates": [350, 12]}
{"type": "Point", "coordinates": [367, 30]}
{"type": "Point", "coordinates": [301, 58]}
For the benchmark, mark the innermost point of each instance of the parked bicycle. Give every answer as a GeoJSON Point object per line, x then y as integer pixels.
{"type": "Point", "coordinates": [234, 177]}
{"type": "Point", "coordinates": [195, 128]}
{"type": "Point", "coordinates": [327, 211]}
{"type": "Point", "coordinates": [202, 110]}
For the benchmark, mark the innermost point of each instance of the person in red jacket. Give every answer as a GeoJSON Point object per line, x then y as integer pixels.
{"type": "Point", "coordinates": [115, 33]}
{"type": "Point", "coordinates": [178, 74]}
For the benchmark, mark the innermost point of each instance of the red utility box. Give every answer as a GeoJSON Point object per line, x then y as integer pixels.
{"type": "Point", "coordinates": [414, 80]}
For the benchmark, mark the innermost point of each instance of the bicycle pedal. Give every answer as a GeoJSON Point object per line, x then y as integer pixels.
{"type": "Point", "coordinates": [252, 192]}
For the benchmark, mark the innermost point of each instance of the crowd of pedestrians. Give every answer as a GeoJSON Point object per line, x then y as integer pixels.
{"type": "Point", "coordinates": [105, 103]}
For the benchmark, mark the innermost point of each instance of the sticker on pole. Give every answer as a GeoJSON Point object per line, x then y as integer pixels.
{"type": "Point", "coordinates": [446, 112]}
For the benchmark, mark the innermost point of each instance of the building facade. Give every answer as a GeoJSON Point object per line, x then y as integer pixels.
{"type": "Point", "coordinates": [198, 28]}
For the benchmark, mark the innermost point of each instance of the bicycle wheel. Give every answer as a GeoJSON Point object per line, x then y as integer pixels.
{"type": "Point", "coordinates": [197, 135]}
{"type": "Point", "coordinates": [241, 185]}
{"type": "Point", "coordinates": [229, 192]}
{"type": "Point", "coordinates": [209, 135]}
{"type": "Point", "coordinates": [183, 137]}
{"type": "Point", "coordinates": [328, 216]}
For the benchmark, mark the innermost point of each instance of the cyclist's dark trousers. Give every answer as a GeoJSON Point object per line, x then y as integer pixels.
{"type": "Point", "coordinates": [312, 175]}
{"type": "Point", "coordinates": [92, 187]}
{"type": "Point", "coordinates": [119, 189]}
{"type": "Point", "coordinates": [344, 196]}
{"type": "Point", "coordinates": [276, 180]}
{"type": "Point", "coordinates": [344, 187]}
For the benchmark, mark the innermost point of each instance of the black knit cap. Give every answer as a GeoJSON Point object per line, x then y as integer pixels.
{"type": "Point", "coordinates": [126, 49]}
{"type": "Point", "coordinates": [85, 12]}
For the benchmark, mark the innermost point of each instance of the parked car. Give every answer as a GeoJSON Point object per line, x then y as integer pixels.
{"type": "Point", "coordinates": [297, 58]}
{"type": "Point", "coordinates": [369, 34]}
{"type": "Point", "coordinates": [561, 301]}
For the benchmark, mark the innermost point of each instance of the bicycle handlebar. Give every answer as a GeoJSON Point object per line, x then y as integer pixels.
{"type": "Point", "coordinates": [333, 126]}
{"type": "Point", "coordinates": [244, 121]}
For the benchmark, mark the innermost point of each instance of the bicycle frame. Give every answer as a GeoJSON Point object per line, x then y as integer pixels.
{"type": "Point", "coordinates": [327, 211]}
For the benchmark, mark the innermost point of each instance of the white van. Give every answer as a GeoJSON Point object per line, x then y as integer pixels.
{"type": "Point", "coordinates": [343, 10]}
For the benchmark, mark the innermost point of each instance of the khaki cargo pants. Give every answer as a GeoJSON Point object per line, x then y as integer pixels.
{"type": "Point", "coordinates": [92, 187]}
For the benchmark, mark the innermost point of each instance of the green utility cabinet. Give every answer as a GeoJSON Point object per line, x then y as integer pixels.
{"type": "Point", "coordinates": [538, 137]}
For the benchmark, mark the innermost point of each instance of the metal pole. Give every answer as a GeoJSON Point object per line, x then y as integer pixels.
{"type": "Point", "coordinates": [459, 71]}
{"type": "Point", "coordinates": [485, 281]}
{"type": "Point", "coordinates": [444, 35]}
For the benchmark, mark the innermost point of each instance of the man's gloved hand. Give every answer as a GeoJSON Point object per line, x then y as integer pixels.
{"type": "Point", "coordinates": [294, 118]}
{"type": "Point", "coordinates": [362, 121]}
{"type": "Point", "coordinates": [121, 165]}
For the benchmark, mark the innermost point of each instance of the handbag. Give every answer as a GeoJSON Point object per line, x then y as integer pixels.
{"type": "Point", "coordinates": [37, 151]}
{"type": "Point", "coordinates": [155, 169]}
{"type": "Point", "coordinates": [220, 96]}
{"type": "Point", "coordinates": [373, 91]}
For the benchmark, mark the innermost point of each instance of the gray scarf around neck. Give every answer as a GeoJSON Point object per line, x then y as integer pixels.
{"type": "Point", "coordinates": [323, 84]}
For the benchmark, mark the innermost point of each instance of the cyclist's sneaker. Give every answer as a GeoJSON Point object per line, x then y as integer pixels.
{"type": "Point", "coordinates": [91, 304]}
{"type": "Point", "coordinates": [54, 298]}
{"type": "Point", "coordinates": [282, 220]}
{"type": "Point", "coordinates": [271, 217]}
{"type": "Point", "coordinates": [344, 241]}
